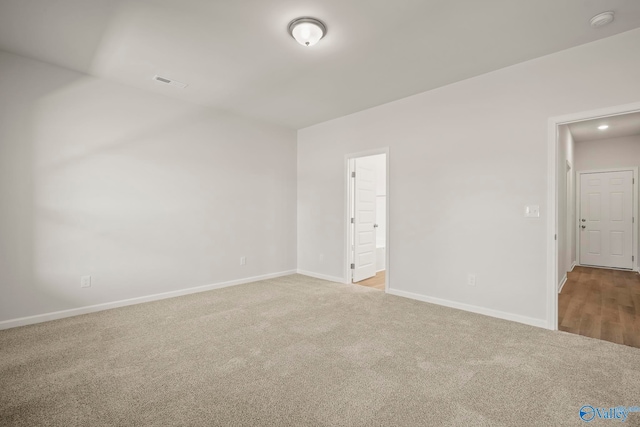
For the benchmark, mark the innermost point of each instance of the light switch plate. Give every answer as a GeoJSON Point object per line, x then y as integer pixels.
{"type": "Point", "coordinates": [532, 211]}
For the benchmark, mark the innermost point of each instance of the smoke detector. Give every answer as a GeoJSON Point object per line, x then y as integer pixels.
{"type": "Point", "coordinates": [602, 19]}
{"type": "Point", "coordinates": [168, 81]}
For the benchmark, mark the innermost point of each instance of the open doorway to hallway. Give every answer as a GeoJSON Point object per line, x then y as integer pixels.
{"type": "Point", "coordinates": [601, 303]}
{"type": "Point", "coordinates": [597, 219]}
{"type": "Point", "coordinates": [367, 254]}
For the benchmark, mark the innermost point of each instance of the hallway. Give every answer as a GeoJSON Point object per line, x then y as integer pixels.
{"type": "Point", "coordinates": [602, 304]}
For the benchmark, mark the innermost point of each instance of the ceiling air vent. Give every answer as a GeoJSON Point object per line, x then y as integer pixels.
{"type": "Point", "coordinates": [169, 81]}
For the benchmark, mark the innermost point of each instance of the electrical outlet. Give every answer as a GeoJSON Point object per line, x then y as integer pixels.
{"type": "Point", "coordinates": [471, 279]}
{"type": "Point", "coordinates": [243, 260]}
{"type": "Point", "coordinates": [85, 282]}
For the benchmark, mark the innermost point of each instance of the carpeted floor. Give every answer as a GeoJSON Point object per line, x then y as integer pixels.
{"type": "Point", "coordinates": [297, 351]}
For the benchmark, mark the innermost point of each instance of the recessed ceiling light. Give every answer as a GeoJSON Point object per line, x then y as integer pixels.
{"type": "Point", "coordinates": [603, 127]}
{"type": "Point", "coordinates": [601, 19]}
{"type": "Point", "coordinates": [307, 31]}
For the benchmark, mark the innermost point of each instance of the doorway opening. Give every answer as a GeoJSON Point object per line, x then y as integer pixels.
{"type": "Point", "coordinates": [367, 242]}
{"type": "Point", "coordinates": [595, 288]}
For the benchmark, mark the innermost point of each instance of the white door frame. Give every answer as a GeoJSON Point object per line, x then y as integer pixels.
{"type": "Point", "coordinates": [634, 193]}
{"type": "Point", "coordinates": [347, 214]}
{"type": "Point", "coordinates": [571, 204]}
{"type": "Point", "coordinates": [552, 196]}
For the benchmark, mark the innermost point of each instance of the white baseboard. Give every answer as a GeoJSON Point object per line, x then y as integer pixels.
{"type": "Point", "coordinates": [605, 268]}
{"type": "Point", "coordinates": [573, 266]}
{"type": "Point", "coordinates": [472, 308]}
{"type": "Point", "coordinates": [322, 276]}
{"type": "Point", "coordinates": [562, 282]}
{"type": "Point", "coordinates": [30, 320]}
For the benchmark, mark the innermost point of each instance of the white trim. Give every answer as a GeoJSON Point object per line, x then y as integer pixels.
{"type": "Point", "coordinates": [350, 205]}
{"type": "Point", "coordinates": [540, 323]}
{"type": "Point", "coordinates": [552, 194]}
{"type": "Point", "coordinates": [323, 276]}
{"type": "Point", "coordinates": [562, 283]}
{"type": "Point", "coordinates": [347, 217]}
{"type": "Point", "coordinates": [566, 277]}
{"type": "Point", "coordinates": [39, 318]}
{"type": "Point", "coordinates": [605, 268]}
{"type": "Point", "coordinates": [629, 168]}
{"type": "Point", "coordinates": [634, 203]}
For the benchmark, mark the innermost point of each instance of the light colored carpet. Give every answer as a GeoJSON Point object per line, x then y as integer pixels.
{"type": "Point", "coordinates": [297, 351]}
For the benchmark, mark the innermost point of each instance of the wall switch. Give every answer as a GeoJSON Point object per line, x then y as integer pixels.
{"type": "Point", "coordinates": [243, 260]}
{"type": "Point", "coordinates": [471, 279]}
{"type": "Point", "coordinates": [532, 211]}
{"type": "Point", "coordinates": [85, 282]}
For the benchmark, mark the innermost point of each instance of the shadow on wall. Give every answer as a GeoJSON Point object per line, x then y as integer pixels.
{"type": "Point", "coordinates": [143, 193]}
{"type": "Point", "coordinates": [22, 87]}
{"type": "Point", "coordinates": [24, 84]}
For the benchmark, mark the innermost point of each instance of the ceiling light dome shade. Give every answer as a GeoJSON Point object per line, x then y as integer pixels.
{"type": "Point", "coordinates": [307, 31]}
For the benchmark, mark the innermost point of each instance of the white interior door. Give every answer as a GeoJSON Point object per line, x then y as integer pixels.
{"type": "Point", "coordinates": [606, 219]}
{"type": "Point", "coordinates": [364, 251]}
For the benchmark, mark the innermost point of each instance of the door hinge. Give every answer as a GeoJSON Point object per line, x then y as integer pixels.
{"type": "Point", "coordinates": [555, 237]}
{"type": "Point", "coordinates": [353, 266]}
{"type": "Point", "coordinates": [633, 180]}
{"type": "Point", "coordinates": [353, 220]}
{"type": "Point", "coordinates": [632, 258]}
{"type": "Point", "coordinates": [353, 174]}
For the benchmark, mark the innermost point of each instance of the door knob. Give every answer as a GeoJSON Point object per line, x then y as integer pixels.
{"type": "Point", "coordinates": [583, 220]}
{"type": "Point", "coordinates": [375, 225]}
{"type": "Point", "coordinates": [584, 226]}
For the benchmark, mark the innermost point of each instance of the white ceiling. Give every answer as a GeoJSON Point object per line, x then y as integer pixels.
{"type": "Point", "coordinates": [619, 126]}
{"type": "Point", "coordinates": [236, 55]}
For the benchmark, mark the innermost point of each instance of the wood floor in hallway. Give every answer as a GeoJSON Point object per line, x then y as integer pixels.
{"type": "Point", "coordinates": [376, 282]}
{"type": "Point", "coordinates": [603, 304]}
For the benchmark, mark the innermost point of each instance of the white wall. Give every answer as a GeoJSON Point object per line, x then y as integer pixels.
{"type": "Point", "coordinates": [608, 153]}
{"type": "Point", "coordinates": [464, 161]}
{"type": "Point", "coordinates": [566, 202]}
{"type": "Point", "coordinates": [600, 154]}
{"type": "Point", "coordinates": [144, 193]}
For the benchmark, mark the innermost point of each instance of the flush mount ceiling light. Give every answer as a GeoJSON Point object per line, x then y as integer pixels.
{"type": "Point", "coordinates": [603, 127]}
{"type": "Point", "coordinates": [307, 31]}
{"type": "Point", "coordinates": [601, 19]}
